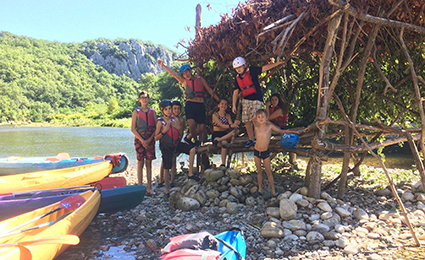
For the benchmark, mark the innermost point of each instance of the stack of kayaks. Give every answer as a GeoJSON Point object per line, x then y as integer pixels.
{"type": "Point", "coordinates": [115, 196]}
{"type": "Point", "coordinates": [17, 165]}
{"type": "Point", "coordinates": [28, 195]}
{"type": "Point", "coordinates": [24, 242]}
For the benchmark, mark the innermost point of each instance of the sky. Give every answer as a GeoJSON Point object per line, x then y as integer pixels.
{"type": "Point", "coordinates": [158, 21]}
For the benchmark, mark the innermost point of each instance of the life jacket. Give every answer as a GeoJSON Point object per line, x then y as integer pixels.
{"type": "Point", "coordinates": [194, 88]}
{"type": "Point", "coordinates": [245, 84]}
{"type": "Point", "coordinates": [172, 137]}
{"type": "Point", "coordinates": [146, 123]}
{"type": "Point", "coordinates": [281, 121]}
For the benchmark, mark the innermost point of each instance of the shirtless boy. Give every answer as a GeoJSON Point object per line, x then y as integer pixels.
{"type": "Point", "coordinates": [263, 132]}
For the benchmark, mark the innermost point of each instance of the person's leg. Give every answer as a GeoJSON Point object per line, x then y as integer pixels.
{"type": "Point", "coordinates": [140, 164]}
{"type": "Point", "coordinates": [268, 169]}
{"type": "Point", "coordinates": [223, 153]}
{"type": "Point", "coordinates": [257, 161]}
{"type": "Point", "coordinates": [166, 173]}
{"type": "Point", "coordinates": [192, 154]}
{"type": "Point", "coordinates": [192, 128]}
{"type": "Point", "coordinates": [161, 173]}
{"type": "Point", "coordinates": [149, 174]}
{"type": "Point", "coordinates": [249, 130]}
{"type": "Point", "coordinates": [173, 169]}
{"type": "Point", "coordinates": [201, 132]}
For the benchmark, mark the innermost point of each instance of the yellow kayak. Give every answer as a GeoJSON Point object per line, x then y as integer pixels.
{"type": "Point", "coordinates": [74, 223]}
{"type": "Point", "coordinates": [60, 178]}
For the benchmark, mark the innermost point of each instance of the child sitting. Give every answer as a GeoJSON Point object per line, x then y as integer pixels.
{"type": "Point", "coordinates": [263, 132]}
{"type": "Point", "coordinates": [223, 128]}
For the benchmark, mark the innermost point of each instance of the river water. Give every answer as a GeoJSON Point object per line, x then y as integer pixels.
{"type": "Point", "coordinates": [99, 141]}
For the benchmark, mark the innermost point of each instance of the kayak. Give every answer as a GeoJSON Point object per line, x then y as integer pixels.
{"type": "Point", "coordinates": [17, 165]}
{"type": "Point", "coordinates": [122, 198]}
{"type": "Point", "coordinates": [22, 202]}
{"type": "Point", "coordinates": [67, 177]}
{"type": "Point", "coordinates": [74, 223]}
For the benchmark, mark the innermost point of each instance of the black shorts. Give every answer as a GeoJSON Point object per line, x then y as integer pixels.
{"type": "Point", "coordinates": [218, 134]}
{"type": "Point", "coordinates": [183, 148]}
{"type": "Point", "coordinates": [196, 111]}
{"type": "Point", "coordinates": [167, 156]}
{"type": "Point", "coordinates": [262, 155]}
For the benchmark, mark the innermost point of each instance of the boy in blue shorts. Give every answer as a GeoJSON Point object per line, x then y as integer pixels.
{"type": "Point", "coordinates": [247, 83]}
{"type": "Point", "coordinates": [195, 93]}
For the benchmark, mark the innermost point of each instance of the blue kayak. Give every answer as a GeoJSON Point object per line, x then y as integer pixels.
{"type": "Point", "coordinates": [18, 165]}
{"type": "Point", "coordinates": [112, 200]}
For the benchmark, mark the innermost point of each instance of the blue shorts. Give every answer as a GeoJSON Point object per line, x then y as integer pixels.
{"type": "Point", "coordinates": [196, 111]}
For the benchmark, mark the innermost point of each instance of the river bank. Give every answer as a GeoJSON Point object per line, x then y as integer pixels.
{"type": "Point", "coordinates": [365, 224]}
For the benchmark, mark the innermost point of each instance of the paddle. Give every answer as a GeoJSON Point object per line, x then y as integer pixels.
{"type": "Point", "coordinates": [36, 227]}
{"type": "Point", "coordinates": [69, 203]}
{"type": "Point", "coordinates": [60, 239]}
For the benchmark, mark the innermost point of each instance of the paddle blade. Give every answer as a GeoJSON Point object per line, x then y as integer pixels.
{"type": "Point", "coordinates": [72, 202]}
{"type": "Point", "coordinates": [60, 239]}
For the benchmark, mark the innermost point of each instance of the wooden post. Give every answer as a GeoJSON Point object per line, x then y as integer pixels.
{"type": "Point", "coordinates": [198, 22]}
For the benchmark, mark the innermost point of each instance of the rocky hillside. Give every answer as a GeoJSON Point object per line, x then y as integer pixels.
{"type": "Point", "coordinates": [127, 57]}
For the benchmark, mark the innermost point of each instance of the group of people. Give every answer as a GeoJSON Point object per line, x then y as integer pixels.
{"type": "Point", "coordinates": [168, 129]}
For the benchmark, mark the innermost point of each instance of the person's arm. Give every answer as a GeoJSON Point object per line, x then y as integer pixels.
{"type": "Point", "coordinates": [152, 137]}
{"type": "Point", "coordinates": [278, 112]}
{"type": "Point", "coordinates": [208, 88]}
{"type": "Point", "coordinates": [177, 76]}
{"type": "Point", "coordinates": [133, 125]}
{"type": "Point", "coordinates": [159, 132]}
{"type": "Point", "coordinates": [234, 99]}
{"type": "Point", "coordinates": [231, 123]}
{"type": "Point", "coordinates": [271, 66]}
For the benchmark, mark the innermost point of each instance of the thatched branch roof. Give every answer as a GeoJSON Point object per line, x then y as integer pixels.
{"type": "Point", "coordinates": [238, 34]}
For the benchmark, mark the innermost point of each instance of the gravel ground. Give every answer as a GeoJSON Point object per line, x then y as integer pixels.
{"type": "Point", "coordinates": [140, 233]}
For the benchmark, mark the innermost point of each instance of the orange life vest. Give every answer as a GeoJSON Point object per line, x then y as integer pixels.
{"type": "Point", "coordinates": [246, 85]}
{"type": "Point", "coordinates": [172, 136]}
{"type": "Point", "coordinates": [194, 88]}
{"type": "Point", "coordinates": [281, 121]}
{"type": "Point", "coordinates": [146, 123]}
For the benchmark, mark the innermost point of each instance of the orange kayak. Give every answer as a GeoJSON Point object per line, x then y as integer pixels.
{"type": "Point", "coordinates": [74, 223]}
{"type": "Point", "coordinates": [60, 178]}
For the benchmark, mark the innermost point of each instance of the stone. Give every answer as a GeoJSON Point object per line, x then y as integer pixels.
{"type": "Point", "coordinates": [314, 217]}
{"type": "Point", "coordinates": [324, 206]}
{"type": "Point", "coordinates": [213, 175]}
{"type": "Point", "coordinates": [272, 229]}
{"type": "Point", "coordinates": [331, 235]}
{"type": "Point", "coordinates": [201, 197]}
{"type": "Point", "coordinates": [314, 237]}
{"type": "Point", "coordinates": [351, 249]}
{"type": "Point", "coordinates": [294, 224]}
{"type": "Point", "coordinates": [331, 222]}
{"type": "Point", "coordinates": [326, 215]}
{"type": "Point", "coordinates": [250, 201]}
{"type": "Point", "coordinates": [300, 232]}
{"type": "Point", "coordinates": [304, 191]}
{"type": "Point", "coordinates": [232, 173]}
{"type": "Point", "coordinates": [295, 197]}
{"type": "Point", "coordinates": [223, 203]}
{"type": "Point", "coordinates": [341, 242]}
{"type": "Point", "coordinates": [360, 214]}
{"type": "Point", "coordinates": [342, 212]}
{"type": "Point", "coordinates": [236, 192]}
{"type": "Point", "coordinates": [291, 237]}
{"type": "Point", "coordinates": [271, 244]}
{"type": "Point", "coordinates": [288, 209]}
{"type": "Point", "coordinates": [273, 211]}
{"type": "Point", "coordinates": [329, 243]}
{"type": "Point", "coordinates": [321, 228]}
{"type": "Point", "coordinates": [212, 194]}
{"type": "Point", "coordinates": [152, 245]}
{"type": "Point", "coordinates": [374, 257]}
{"type": "Point", "coordinates": [302, 203]}
{"type": "Point", "coordinates": [186, 204]}
{"type": "Point", "coordinates": [384, 192]}
{"type": "Point", "coordinates": [245, 179]}
{"type": "Point", "coordinates": [408, 196]}
{"type": "Point", "coordinates": [232, 207]}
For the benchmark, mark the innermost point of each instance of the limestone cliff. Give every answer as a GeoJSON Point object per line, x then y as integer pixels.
{"type": "Point", "coordinates": [128, 57]}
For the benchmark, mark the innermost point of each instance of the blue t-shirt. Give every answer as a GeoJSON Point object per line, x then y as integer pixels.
{"type": "Point", "coordinates": [254, 72]}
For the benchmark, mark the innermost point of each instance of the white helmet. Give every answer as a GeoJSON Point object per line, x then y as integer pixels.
{"type": "Point", "coordinates": [239, 61]}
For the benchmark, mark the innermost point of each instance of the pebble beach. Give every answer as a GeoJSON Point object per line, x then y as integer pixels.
{"type": "Point", "coordinates": [365, 224]}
